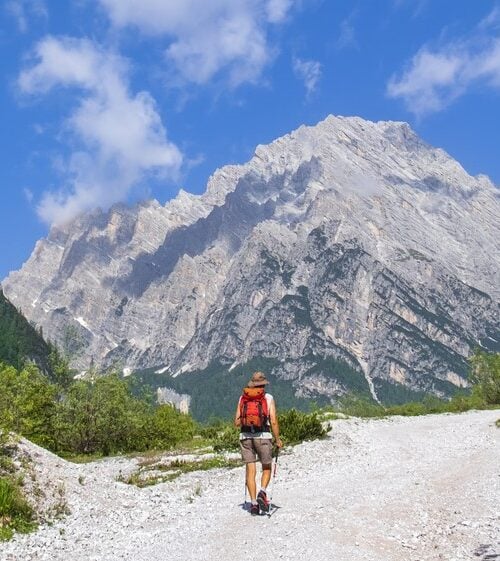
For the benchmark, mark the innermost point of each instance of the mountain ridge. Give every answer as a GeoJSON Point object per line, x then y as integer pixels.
{"type": "Point", "coordinates": [349, 239]}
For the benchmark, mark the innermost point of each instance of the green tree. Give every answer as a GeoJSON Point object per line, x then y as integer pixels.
{"type": "Point", "coordinates": [485, 376]}
{"type": "Point", "coordinates": [101, 415]}
{"type": "Point", "coordinates": [169, 427]}
{"type": "Point", "coordinates": [59, 367]}
{"type": "Point", "coordinates": [28, 403]}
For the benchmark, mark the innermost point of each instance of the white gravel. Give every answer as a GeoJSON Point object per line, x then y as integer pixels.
{"type": "Point", "coordinates": [412, 489]}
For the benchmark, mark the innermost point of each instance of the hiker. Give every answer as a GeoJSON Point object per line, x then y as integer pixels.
{"type": "Point", "coordinates": [256, 417]}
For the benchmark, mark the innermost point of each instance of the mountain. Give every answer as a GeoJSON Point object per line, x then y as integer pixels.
{"type": "Point", "coordinates": [20, 342]}
{"type": "Point", "coordinates": [347, 255]}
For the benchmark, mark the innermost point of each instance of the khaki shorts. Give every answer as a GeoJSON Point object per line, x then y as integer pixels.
{"type": "Point", "coordinates": [251, 448]}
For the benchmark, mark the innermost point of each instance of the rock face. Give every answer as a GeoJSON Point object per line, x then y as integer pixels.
{"type": "Point", "coordinates": [170, 397]}
{"type": "Point", "coordinates": [349, 240]}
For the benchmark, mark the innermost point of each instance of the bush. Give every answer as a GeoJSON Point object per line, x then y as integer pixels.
{"type": "Point", "coordinates": [486, 376]}
{"type": "Point", "coordinates": [212, 429]}
{"type": "Point", "coordinates": [169, 427]}
{"type": "Point", "coordinates": [360, 407]}
{"type": "Point", "coordinates": [100, 416]}
{"type": "Point", "coordinates": [227, 439]}
{"type": "Point", "coordinates": [296, 426]}
{"type": "Point", "coordinates": [27, 404]}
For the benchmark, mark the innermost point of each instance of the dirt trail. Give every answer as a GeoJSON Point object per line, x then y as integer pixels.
{"type": "Point", "coordinates": [400, 489]}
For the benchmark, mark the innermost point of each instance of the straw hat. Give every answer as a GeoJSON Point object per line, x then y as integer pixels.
{"type": "Point", "coordinates": [258, 379]}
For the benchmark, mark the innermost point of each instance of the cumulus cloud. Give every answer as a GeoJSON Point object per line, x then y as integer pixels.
{"type": "Point", "coordinates": [119, 137]}
{"type": "Point", "coordinates": [309, 71]}
{"type": "Point", "coordinates": [204, 39]}
{"type": "Point", "coordinates": [434, 78]}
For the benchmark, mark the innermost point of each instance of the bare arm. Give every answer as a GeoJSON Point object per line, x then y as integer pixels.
{"type": "Point", "coordinates": [274, 424]}
{"type": "Point", "coordinates": [237, 420]}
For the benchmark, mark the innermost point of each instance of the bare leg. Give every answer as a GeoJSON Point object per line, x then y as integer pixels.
{"type": "Point", "coordinates": [250, 478]}
{"type": "Point", "coordinates": [266, 475]}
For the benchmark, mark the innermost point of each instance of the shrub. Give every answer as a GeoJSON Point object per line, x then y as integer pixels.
{"type": "Point", "coordinates": [27, 404]}
{"type": "Point", "coordinates": [408, 409]}
{"type": "Point", "coordinates": [227, 439]}
{"type": "Point", "coordinates": [212, 429]}
{"type": "Point", "coordinates": [169, 427]}
{"type": "Point", "coordinates": [360, 407]}
{"type": "Point", "coordinates": [102, 416]}
{"type": "Point", "coordinates": [486, 376]}
{"type": "Point", "coordinates": [296, 426]}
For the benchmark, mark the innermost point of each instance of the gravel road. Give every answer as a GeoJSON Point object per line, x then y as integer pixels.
{"type": "Point", "coordinates": [397, 489]}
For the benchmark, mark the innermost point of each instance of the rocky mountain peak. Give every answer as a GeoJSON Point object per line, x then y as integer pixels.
{"type": "Point", "coordinates": [347, 241]}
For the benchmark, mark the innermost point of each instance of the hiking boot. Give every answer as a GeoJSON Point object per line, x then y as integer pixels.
{"type": "Point", "coordinates": [254, 510]}
{"type": "Point", "coordinates": [263, 501]}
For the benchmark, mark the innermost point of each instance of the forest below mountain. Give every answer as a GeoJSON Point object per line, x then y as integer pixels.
{"type": "Point", "coordinates": [20, 341]}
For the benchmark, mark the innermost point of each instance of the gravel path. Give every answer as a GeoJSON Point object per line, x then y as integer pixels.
{"type": "Point", "coordinates": [412, 489]}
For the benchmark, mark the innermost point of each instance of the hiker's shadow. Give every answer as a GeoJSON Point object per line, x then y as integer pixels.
{"type": "Point", "coordinates": [246, 507]}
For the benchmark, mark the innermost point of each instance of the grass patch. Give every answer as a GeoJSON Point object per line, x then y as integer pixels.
{"type": "Point", "coordinates": [154, 473]}
{"type": "Point", "coordinates": [84, 458]}
{"type": "Point", "coordinates": [16, 514]}
{"type": "Point", "coordinates": [198, 443]}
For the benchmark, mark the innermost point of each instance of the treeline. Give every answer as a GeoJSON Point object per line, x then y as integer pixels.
{"type": "Point", "coordinates": [106, 415]}
{"type": "Point", "coordinates": [19, 340]}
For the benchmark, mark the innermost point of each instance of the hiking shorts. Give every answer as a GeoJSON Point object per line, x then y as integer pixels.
{"type": "Point", "coordinates": [253, 448]}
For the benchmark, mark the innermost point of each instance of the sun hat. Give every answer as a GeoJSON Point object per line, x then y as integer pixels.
{"type": "Point", "coordinates": [258, 379]}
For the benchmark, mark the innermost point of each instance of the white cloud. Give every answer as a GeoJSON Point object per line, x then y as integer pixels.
{"type": "Point", "coordinates": [277, 10]}
{"type": "Point", "coordinates": [119, 136]}
{"type": "Point", "coordinates": [309, 71]}
{"type": "Point", "coordinates": [23, 10]}
{"type": "Point", "coordinates": [205, 38]}
{"type": "Point", "coordinates": [434, 78]}
{"type": "Point", "coordinates": [347, 37]}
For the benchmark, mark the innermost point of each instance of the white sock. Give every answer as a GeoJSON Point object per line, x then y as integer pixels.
{"type": "Point", "coordinates": [263, 489]}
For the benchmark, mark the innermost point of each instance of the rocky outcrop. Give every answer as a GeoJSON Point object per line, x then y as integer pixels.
{"type": "Point", "coordinates": [350, 240]}
{"type": "Point", "coordinates": [168, 396]}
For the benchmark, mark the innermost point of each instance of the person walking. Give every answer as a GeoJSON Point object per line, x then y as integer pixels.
{"type": "Point", "coordinates": [258, 422]}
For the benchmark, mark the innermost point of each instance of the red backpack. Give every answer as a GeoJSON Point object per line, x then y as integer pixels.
{"type": "Point", "coordinates": [254, 412]}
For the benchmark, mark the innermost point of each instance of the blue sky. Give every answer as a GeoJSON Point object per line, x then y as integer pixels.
{"type": "Point", "coordinates": [117, 100]}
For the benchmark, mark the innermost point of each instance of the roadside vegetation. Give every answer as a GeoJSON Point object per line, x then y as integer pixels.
{"type": "Point", "coordinates": [106, 415]}
{"type": "Point", "coordinates": [484, 394]}
{"type": "Point", "coordinates": [16, 514]}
